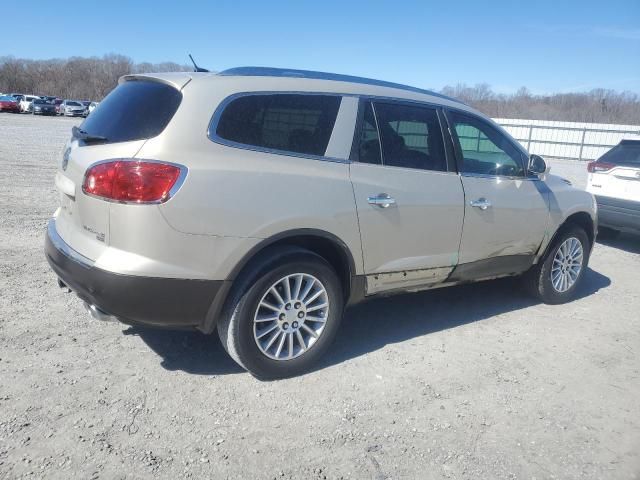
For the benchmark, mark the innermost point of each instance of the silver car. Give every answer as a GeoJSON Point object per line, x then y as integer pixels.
{"type": "Point", "coordinates": [72, 108]}
{"type": "Point", "coordinates": [260, 202]}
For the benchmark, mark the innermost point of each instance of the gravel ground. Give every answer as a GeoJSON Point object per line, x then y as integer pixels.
{"type": "Point", "coordinates": [467, 382]}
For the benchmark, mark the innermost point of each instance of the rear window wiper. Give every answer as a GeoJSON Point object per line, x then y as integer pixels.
{"type": "Point", "coordinates": [87, 137]}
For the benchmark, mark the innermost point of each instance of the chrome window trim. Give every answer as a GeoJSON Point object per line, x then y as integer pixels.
{"type": "Point", "coordinates": [502, 177]}
{"type": "Point", "coordinates": [64, 248]}
{"type": "Point", "coordinates": [215, 119]}
{"type": "Point", "coordinates": [176, 186]}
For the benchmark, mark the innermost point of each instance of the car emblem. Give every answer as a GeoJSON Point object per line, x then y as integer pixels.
{"type": "Point", "coordinates": [65, 158]}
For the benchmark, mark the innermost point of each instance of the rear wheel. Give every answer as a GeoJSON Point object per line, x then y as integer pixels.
{"type": "Point", "coordinates": [556, 277]}
{"type": "Point", "coordinates": [284, 315]}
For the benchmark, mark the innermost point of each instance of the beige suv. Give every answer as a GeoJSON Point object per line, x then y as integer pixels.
{"type": "Point", "coordinates": [260, 202]}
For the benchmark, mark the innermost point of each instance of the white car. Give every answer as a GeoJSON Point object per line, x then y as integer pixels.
{"type": "Point", "coordinates": [26, 104]}
{"type": "Point", "coordinates": [614, 179]}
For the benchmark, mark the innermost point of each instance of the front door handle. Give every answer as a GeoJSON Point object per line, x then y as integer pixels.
{"type": "Point", "coordinates": [481, 203]}
{"type": "Point", "coordinates": [382, 200]}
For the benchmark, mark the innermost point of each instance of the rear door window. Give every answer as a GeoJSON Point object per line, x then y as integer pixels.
{"type": "Point", "coordinates": [295, 123]}
{"type": "Point", "coordinates": [135, 110]}
{"type": "Point", "coordinates": [625, 154]}
{"type": "Point", "coordinates": [411, 136]}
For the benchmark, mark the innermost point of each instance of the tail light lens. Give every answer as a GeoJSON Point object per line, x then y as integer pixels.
{"type": "Point", "coordinates": [131, 181]}
{"type": "Point", "coordinates": [594, 167]}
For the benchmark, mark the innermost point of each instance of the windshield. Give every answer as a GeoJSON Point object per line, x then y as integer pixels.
{"type": "Point", "coordinates": [73, 104]}
{"type": "Point", "coordinates": [39, 102]}
{"type": "Point", "coordinates": [135, 110]}
{"type": "Point", "coordinates": [7, 98]}
{"type": "Point", "coordinates": [627, 153]}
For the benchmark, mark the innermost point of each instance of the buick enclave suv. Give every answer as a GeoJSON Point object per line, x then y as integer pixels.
{"type": "Point", "coordinates": [260, 202]}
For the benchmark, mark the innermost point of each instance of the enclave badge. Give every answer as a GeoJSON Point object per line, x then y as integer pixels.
{"type": "Point", "coordinates": [65, 158]}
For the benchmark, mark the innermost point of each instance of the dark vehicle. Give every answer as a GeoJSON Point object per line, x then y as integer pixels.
{"type": "Point", "coordinates": [86, 104]}
{"type": "Point", "coordinates": [42, 107]}
{"type": "Point", "coordinates": [9, 104]}
{"type": "Point", "coordinates": [615, 181]}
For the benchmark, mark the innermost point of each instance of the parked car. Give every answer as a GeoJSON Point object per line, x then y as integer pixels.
{"type": "Point", "coordinates": [614, 179]}
{"type": "Point", "coordinates": [42, 107]}
{"type": "Point", "coordinates": [260, 202]}
{"type": "Point", "coordinates": [26, 103]}
{"type": "Point", "coordinates": [85, 104]}
{"type": "Point", "coordinates": [92, 106]}
{"type": "Point", "coordinates": [71, 108]}
{"type": "Point", "coordinates": [57, 103]}
{"type": "Point", "coordinates": [9, 104]}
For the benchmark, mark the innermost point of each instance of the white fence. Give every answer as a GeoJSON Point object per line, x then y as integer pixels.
{"type": "Point", "coordinates": [580, 141]}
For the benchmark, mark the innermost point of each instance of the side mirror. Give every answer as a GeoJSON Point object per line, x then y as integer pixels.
{"type": "Point", "coordinates": [537, 165]}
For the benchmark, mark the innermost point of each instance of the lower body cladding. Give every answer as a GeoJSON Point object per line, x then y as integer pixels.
{"type": "Point", "coordinates": [618, 214]}
{"type": "Point", "coordinates": [168, 302]}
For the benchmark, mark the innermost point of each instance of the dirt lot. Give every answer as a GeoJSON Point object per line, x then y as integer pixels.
{"type": "Point", "coordinates": [468, 382]}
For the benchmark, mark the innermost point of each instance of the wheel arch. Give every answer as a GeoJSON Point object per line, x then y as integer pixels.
{"type": "Point", "coordinates": [322, 243]}
{"type": "Point", "coordinates": [581, 219]}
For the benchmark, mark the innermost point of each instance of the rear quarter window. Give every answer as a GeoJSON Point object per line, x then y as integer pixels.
{"type": "Point", "coordinates": [627, 153]}
{"type": "Point", "coordinates": [295, 123]}
{"type": "Point", "coordinates": [134, 110]}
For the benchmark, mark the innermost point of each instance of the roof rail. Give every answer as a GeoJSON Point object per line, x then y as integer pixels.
{"type": "Point", "coordinates": [293, 73]}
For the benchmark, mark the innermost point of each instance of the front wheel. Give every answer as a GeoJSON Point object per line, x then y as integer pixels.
{"type": "Point", "coordinates": [556, 277]}
{"type": "Point", "coordinates": [284, 317]}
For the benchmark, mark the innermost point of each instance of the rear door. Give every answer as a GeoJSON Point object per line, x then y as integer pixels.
{"type": "Point", "coordinates": [506, 211]}
{"type": "Point", "coordinates": [410, 204]}
{"type": "Point", "coordinates": [135, 111]}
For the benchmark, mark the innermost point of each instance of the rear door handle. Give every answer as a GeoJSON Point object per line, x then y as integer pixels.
{"type": "Point", "coordinates": [481, 203]}
{"type": "Point", "coordinates": [382, 200]}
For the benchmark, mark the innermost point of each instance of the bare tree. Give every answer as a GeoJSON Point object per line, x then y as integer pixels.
{"type": "Point", "coordinates": [598, 105]}
{"type": "Point", "coordinates": [76, 77]}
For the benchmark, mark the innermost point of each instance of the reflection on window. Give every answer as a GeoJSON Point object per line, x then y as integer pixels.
{"type": "Point", "coordinates": [484, 149]}
{"type": "Point", "coordinates": [288, 122]}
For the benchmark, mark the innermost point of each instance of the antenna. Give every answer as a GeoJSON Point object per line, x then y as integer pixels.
{"type": "Point", "coordinates": [196, 68]}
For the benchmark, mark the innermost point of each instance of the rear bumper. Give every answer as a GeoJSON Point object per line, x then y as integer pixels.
{"type": "Point", "coordinates": [166, 302]}
{"type": "Point", "coordinates": [618, 214]}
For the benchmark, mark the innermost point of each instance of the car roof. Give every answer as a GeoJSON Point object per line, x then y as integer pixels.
{"type": "Point", "coordinates": [267, 79]}
{"type": "Point", "coordinates": [335, 77]}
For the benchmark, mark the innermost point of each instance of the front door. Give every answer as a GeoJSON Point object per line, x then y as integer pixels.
{"type": "Point", "coordinates": [506, 210]}
{"type": "Point", "coordinates": [410, 204]}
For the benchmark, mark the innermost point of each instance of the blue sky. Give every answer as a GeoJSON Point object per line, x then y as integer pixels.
{"type": "Point", "coordinates": [547, 46]}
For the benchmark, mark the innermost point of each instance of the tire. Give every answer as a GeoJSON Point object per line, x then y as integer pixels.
{"type": "Point", "coordinates": [284, 356]}
{"type": "Point", "coordinates": [538, 280]}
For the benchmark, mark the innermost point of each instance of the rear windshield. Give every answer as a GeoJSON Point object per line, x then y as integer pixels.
{"type": "Point", "coordinates": [623, 154]}
{"type": "Point", "coordinates": [135, 110]}
{"type": "Point", "coordinates": [294, 123]}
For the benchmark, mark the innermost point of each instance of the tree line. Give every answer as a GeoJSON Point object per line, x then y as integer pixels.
{"type": "Point", "coordinates": [596, 106]}
{"type": "Point", "coordinates": [93, 77]}
{"type": "Point", "coordinates": [76, 77]}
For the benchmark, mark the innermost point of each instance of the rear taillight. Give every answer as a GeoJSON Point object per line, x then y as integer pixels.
{"type": "Point", "coordinates": [132, 181]}
{"type": "Point", "coordinates": [594, 167]}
